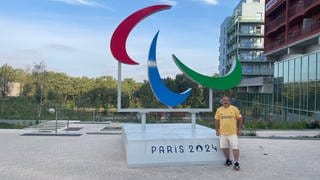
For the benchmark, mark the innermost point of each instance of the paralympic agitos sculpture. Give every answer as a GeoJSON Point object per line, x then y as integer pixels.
{"type": "Point", "coordinates": [163, 94]}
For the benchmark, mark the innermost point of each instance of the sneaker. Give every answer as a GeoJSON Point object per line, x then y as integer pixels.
{"type": "Point", "coordinates": [237, 166]}
{"type": "Point", "coordinates": [228, 162]}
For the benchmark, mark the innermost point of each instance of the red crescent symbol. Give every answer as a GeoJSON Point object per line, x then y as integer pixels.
{"type": "Point", "coordinates": [120, 35]}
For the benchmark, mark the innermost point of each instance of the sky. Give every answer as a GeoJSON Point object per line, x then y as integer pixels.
{"type": "Point", "coordinates": [73, 36]}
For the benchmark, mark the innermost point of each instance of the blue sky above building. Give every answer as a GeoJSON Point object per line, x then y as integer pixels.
{"type": "Point", "coordinates": [73, 36]}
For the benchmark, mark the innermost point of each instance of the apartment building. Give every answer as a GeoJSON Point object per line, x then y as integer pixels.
{"type": "Point", "coordinates": [242, 37]}
{"type": "Point", "coordinates": [292, 41]}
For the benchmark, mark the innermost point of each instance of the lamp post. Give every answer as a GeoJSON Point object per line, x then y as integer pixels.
{"type": "Point", "coordinates": [52, 110]}
{"type": "Point", "coordinates": [56, 122]}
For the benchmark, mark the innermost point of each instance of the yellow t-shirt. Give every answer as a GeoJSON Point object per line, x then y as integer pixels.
{"type": "Point", "coordinates": [228, 119]}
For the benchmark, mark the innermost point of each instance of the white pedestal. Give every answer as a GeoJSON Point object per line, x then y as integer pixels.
{"type": "Point", "coordinates": [170, 144]}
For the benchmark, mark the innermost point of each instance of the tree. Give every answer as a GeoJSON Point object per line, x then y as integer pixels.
{"type": "Point", "coordinates": [129, 87]}
{"type": "Point", "coordinates": [145, 97]}
{"type": "Point", "coordinates": [6, 77]}
{"type": "Point", "coordinates": [82, 86]}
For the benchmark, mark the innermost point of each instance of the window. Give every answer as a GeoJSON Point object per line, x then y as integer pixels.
{"type": "Point", "coordinates": [304, 95]}
{"type": "Point", "coordinates": [251, 29]}
{"type": "Point", "coordinates": [245, 43]}
{"type": "Point", "coordinates": [290, 93]}
{"type": "Point", "coordinates": [247, 69]}
{"type": "Point", "coordinates": [297, 69]}
{"type": "Point", "coordinates": [304, 83]}
{"type": "Point", "coordinates": [318, 97]}
{"type": "Point", "coordinates": [260, 56]}
{"type": "Point", "coordinates": [291, 71]}
{"type": "Point", "coordinates": [312, 67]}
{"type": "Point", "coordinates": [275, 92]}
{"type": "Point", "coordinates": [311, 95]}
{"type": "Point", "coordinates": [304, 68]}
{"type": "Point", "coordinates": [259, 15]}
{"type": "Point", "coordinates": [258, 29]}
{"type": "Point", "coordinates": [280, 72]}
{"type": "Point", "coordinates": [244, 29]}
{"type": "Point", "coordinates": [237, 12]}
{"type": "Point", "coordinates": [276, 70]}
{"type": "Point", "coordinates": [245, 56]}
{"type": "Point", "coordinates": [297, 92]}
{"type": "Point", "coordinates": [285, 72]}
{"type": "Point", "coordinates": [265, 69]}
{"type": "Point", "coordinates": [318, 67]}
{"type": "Point", "coordinates": [259, 42]}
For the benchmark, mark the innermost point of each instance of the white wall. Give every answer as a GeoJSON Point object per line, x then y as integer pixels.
{"type": "Point", "coordinates": [250, 9]}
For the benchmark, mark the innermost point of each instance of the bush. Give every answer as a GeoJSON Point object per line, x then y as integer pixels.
{"type": "Point", "coordinates": [248, 132]}
{"type": "Point", "coordinates": [256, 124]}
{"type": "Point", "coordinates": [262, 124]}
{"type": "Point", "coordinates": [207, 123]}
{"type": "Point", "coordinates": [314, 124]}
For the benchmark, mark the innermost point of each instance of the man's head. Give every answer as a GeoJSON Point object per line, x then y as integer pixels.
{"type": "Point", "coordinates": [226, 101]}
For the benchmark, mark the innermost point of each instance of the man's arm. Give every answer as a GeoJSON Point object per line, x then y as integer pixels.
{"type": "Point", "coordinates": [239, 125]}
{"type": "Point", "coordinates": [217, 126]}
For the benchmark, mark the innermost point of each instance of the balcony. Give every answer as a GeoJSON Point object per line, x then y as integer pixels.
{"type": "Point", "coordinates": [247, 33]}
{"type": "Point", "coordinates": [243, 19]}
{"type": "Point", "coordinates": [299, 9]}
{"type": "Point", "coordinates": [296, 11]}
{"type": "Point", "coordinates": [275, 24]}
{"type": "Point", "coordinates": [309, 4]}
{"type": "Point", "coordinates": [250, 19]}
{"type": "Point", "coordinates": [250, 46]}
{"type": "Point", "coordinates": [247, 72]}
{"type": "Point", "coordinates": [231, 50]}
{"type": "Point", "coordinates": [231, 42]}
{"type": "Point", "coordinates": [232, 37]}
{"type": "Point", "coordinates": [277, 44]}
{"type": "Point", "coordinates": [304, 33]}
{"type": "Point", "coordinates": [272, 5]}
{"type": "Point", "coordinates": [253, 59]}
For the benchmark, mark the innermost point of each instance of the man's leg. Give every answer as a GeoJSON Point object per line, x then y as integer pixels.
{"type": "Point", "coordinates": [236, 154]}
{"type": "Point", "coordinates": [235, 150]}
{"type": "Point", "coordinates": [224, 145]}
{"type": "Point", "coordinates": [226, 153]}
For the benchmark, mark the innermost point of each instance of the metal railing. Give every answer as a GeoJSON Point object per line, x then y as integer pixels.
{"type": "Point", "coordinates": [276, 23]}
{"type": "Point", "coordinates": [301, 6]}
{"type": "Point", "coordinates": [275, 45]}
{"type": "Point", "coordinates": [248, 46]}
{"type": "Point", "coordinates": [247, 33]}
{"type": "Point", "coordinates": [303, 33]}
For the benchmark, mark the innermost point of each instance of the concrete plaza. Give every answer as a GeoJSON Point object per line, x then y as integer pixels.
{"type": "Point", "coordinates": [101, 156]}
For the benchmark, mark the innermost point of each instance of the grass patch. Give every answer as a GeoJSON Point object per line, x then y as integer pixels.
{"type": "Point", "coordinates": [261, 124]}
{"type": "Point", "coordinates": [11, 126]}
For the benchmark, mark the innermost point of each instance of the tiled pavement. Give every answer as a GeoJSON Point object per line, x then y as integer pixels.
{"type": "Point", "coordinates": [91, 157]}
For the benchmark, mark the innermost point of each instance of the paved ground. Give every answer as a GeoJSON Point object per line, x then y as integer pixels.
{"type": "Point", "coordinates": [288, 133]}
{"type": "Point", "coordinates": [98, 157]}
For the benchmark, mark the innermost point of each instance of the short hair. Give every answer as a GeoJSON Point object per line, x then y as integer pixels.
{"type": "Point", "coordinates": [225, 96]}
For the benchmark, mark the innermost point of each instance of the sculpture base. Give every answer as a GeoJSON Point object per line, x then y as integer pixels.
{"type": "Point", "coordinates": [170, 144]}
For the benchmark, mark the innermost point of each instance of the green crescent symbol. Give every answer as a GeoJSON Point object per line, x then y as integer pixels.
{"type": "Point", "coordinates": [228, 81]}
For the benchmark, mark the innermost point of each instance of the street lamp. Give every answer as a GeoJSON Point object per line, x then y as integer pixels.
{"type": "Point", "coordinates": [52, 110]}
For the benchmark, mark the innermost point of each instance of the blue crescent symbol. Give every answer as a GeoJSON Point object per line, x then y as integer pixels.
{"type": "Point", "coordinates": [163, 94]}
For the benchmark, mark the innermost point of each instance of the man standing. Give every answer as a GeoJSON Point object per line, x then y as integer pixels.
{"type": "Point", "coordinates": [228, 123]}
